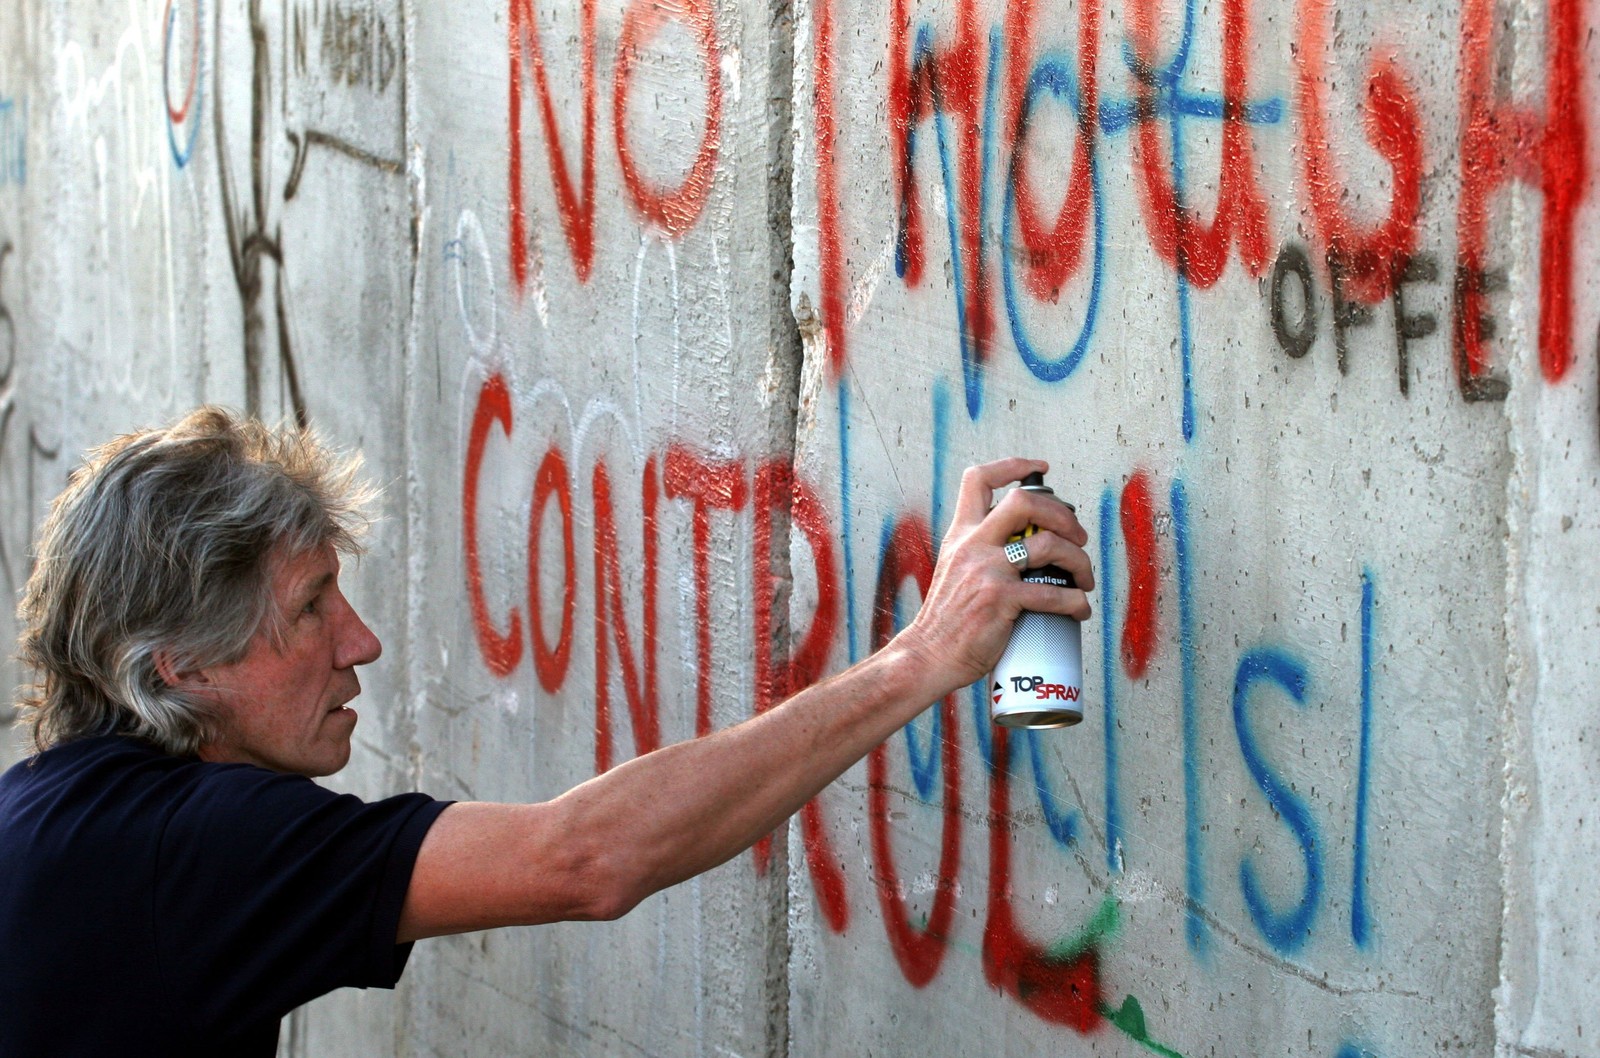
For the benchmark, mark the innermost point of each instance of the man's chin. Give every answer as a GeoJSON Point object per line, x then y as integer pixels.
{"type": "Point", "coordinates": [329, 764]}
{"type": "Point", "coordinates": [335, 751]}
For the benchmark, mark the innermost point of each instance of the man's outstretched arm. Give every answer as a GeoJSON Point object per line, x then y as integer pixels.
{"type": "Point", "coordinates": [600, 848]}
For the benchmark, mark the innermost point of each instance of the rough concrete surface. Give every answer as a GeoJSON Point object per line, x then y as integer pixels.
{"type": "Point", "coordinates": [669, 327]}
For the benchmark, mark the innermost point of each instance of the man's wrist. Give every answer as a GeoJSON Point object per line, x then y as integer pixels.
{"type": "Point", "coordinates": [915, 669]}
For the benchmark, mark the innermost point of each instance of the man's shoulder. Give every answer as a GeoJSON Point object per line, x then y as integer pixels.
{"type": "Point", "coordinates": [99, 796]}
{"type": "Point", "coordinates": [89, 751]}
{"type": "Point", "coordinates": [116, 798]}
{"type": "Point", "coordinates": [115, 784]}
{"type": "Point", "coordinates": [102, 763]}
{"type": "Point", "coordinates": [83, 762]}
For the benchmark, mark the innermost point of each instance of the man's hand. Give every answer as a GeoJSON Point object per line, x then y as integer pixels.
{"type": "Point", "coordinates": [964, 622]}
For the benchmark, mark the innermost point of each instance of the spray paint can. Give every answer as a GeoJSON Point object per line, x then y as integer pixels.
{"type": "Point", "coordinates": [1038, 682]}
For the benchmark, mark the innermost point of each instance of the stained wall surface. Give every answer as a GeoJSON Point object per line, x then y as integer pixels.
{"type": "Point", "coordinates": [668, 329]}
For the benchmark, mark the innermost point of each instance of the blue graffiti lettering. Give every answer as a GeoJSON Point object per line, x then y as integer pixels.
{"type": "Point", "coordinates": [1052, 73]}
{"type": "Point", "coordinates": [1285, 930]}
{"type": "Point", "coordinates": [192, 98]}
{"type": "Point", "coordinates": [1194, 874]}
{"type": "Point", "coordinates": [1172, 102]}
{"type": "Point", "coordinates": [924, 764]}
{"type": "Point", "coordinates": [1360, 915]}
{"type": "Point", "coordinates": [1108, 694]}
{"type": "Point", "coordinates": [1062, 823]}
{"type": "Point", "coordinates": [845, 528]}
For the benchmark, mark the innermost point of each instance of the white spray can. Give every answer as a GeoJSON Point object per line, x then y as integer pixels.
{"type": "Point", "coordinates": [1038, 681]}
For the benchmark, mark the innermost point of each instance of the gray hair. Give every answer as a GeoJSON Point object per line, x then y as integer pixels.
{"type": "Point", "coordinates": [166, 540]}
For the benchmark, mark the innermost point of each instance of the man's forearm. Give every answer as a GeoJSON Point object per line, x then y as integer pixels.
{"type": "Point", "coordinates": [686, 808]}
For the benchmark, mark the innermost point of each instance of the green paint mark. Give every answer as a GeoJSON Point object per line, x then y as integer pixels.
{"type": "Point", "coordinates": [1130, 1020]}
{"type": "Point", "coordinates": [1103, 926]}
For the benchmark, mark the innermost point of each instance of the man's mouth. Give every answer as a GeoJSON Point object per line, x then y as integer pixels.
{"type": "Point", "coordinates": [344, 706]}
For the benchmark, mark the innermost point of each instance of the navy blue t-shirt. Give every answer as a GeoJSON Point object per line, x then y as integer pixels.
{"type": "Point", "coordinates": [156, 905]}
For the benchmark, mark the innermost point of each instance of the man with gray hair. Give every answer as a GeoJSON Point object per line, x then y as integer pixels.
{"type": "Point", "coordinates": [171, 881]}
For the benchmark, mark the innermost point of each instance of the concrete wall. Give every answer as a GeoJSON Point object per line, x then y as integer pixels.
{"type": "Point", "coordinates": [669, 328]}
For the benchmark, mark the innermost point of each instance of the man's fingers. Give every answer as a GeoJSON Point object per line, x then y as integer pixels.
{"type": "Point", "coordinates": [1021, 508]}
{"type": "Point", "coordinates": [1048, 549]}
{"type": "Point", "coordinates": [977, 589]}
{"type": "Point", "coordinates": [979, 482]}
{"type": "Point", "coordinates": [1047, 598]}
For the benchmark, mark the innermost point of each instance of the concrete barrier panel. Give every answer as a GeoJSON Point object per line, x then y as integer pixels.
{"type": "Point", "coordinates": [1227, 267]}
{"type": "Point", "coordinates": [603, 362]}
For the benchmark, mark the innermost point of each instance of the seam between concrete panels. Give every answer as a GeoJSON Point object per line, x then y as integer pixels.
{"type": "Point", "coordinates": [786, 354]}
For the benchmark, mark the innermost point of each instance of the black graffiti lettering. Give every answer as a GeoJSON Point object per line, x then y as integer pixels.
{"type": "Point", "coordinates": [5, 554]}
{"type": "Point", "coordinates": [8, 363]}
{"type": "Point", "coordinates": [8, 329]}
{"type": "Point", "coordinates": [37, 448]}
{"type": "Point", "coordinates": [18, 524]}
{"type": "Point", "coordinates": [299, 37]}
{"type": "Point", "coordinates": [1346, 314]}
{"type": "Point", "coordinates": [355, 46]}
{"type": "Point", "coordinates": [39, 452]}
{"type": "Point", "coordinates": [1293, 270]}
{"type": "Point", "coordinates": [253, 236]}
{"type": "Point", "coordinates": [1471, 284]}
{"type": "Point", "coordinates": [1294, 308]}
{"type": "Point", "coordinates": [1409, 326]}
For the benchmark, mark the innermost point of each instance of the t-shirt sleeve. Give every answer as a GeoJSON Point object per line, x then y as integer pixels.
{"type": "Point", "coordinates": [272, 891]}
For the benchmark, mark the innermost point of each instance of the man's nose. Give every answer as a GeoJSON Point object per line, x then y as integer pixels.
{"type": "Point", "coordinates": [358, 645]}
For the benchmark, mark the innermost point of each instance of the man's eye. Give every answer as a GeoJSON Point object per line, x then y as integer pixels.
{"type": "Point", "coordinates": [310, 607]}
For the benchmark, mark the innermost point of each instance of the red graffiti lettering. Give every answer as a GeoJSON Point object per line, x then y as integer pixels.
{"type": "Point", "coordinates": [674, 209]}
{"type": "Point", "coordinates": [918, 951]}
{"type": "Point", "coordinates": [942, 78]}
{"type": "Point", "coordinates": [1501, 142]}
{"type": "Point", "coordinates": [610, 614]}
{"type": "Point", "coordinates": [501, 653]}
{"type": "Point", "coordinates": [552, 480]}
{"type": "Point", "coordinates": [829, 251]}
{"type": "Point", "coordinates": [951, 80]}
{"type": "Point", "coordinates": [777, 489]}
{"type": "Point", "coordinates": [576, 208]}
{"type": "Point", "coordinates": [709, 485]}
{"type": "Point", "coordinates": [177, 114]}
{"type": "Point", "coordinates": [1370, 258]}
{"type": "Point", "coordinates": [1144, 573]}
{"type": "Point", "coordinates": [1064, 989]}
{"type": "Point", "coordinates": [1053, 257]}
{"type": "Point", "coordinates": [1198, 250]}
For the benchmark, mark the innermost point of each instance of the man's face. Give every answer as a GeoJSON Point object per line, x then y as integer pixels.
{"type": "Point", "coordinates": [283, 705]}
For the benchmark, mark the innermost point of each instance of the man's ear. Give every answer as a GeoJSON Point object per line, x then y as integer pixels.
{"type": "Point", "coordinates": [171, 675]}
